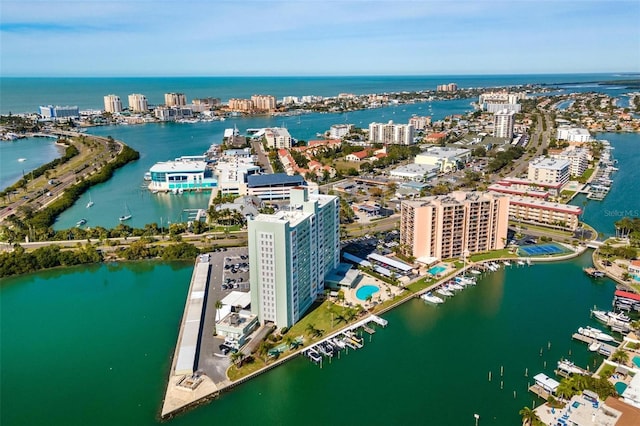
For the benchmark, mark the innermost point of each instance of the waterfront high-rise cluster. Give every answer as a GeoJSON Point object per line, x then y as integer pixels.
{"type": "Point", "coordinates": [454, 225]}
{"type": "Point", "coordinates": [290, 253]}
{"type": "Point", "coordinates": [391, 133]}
{"type": "Point", "coordinates": [112, 103]}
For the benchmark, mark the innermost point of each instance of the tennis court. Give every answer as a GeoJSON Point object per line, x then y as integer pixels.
{"type": "Point", "coordinates": [542, 249]}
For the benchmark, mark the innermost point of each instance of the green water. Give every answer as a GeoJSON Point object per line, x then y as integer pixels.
{"type": "Point", "coordinates": [92, 345]}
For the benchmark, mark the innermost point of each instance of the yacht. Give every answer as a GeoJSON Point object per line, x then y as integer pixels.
{"type": "Point", "coordinates": [595, 334]}
{"type": "Point", "coordinates": [569, 367]}
{"type": "Point", "coordinates": [610, 318]}
{"type": "Point", "coordinates": [429, 297]}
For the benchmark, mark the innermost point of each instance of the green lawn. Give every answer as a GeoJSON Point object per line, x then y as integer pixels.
{"type": "Point", "coordinates": [496, 254]}
{"type": "Point", "coordinates": [236, 373]}
{"type": "Point", "coordinates": [323, 317]}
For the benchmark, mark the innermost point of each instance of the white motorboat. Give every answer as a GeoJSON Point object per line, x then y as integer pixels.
{"type": "Point", "coordinates": [81, 222]}
{"type": "Point", "coordinates": [22, 160]}
{"type": "Point", "coordinates": [444, 292]}
{"type": "Point", "coordinates": [506, 263]}
{"type": "Point", "coordinates": [612, 318]}
{"type": "Point", "coordinates": [594, 346]}
{"type": "Point", "coordinates": [521, 262]}
{"type": "Point", "coordinates": [569, 367]}
{"type": "Point", "coordinates": [465, 280]}
{"type": "Point", "coordinates": [429, 297]}
{"type": "Point", "coordinates": [595, 334]}
{"type": "Point", "coordinates": [90, 203]}
{"type": "Point", "coordinates": [475, 272]}
{"type": "Point", "coordinates": [455, 286]}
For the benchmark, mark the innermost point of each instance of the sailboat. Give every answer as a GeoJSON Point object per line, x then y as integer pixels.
{"type": "Point", "coordinates": [126, 215]}
{"type": "Point", "coordinates": [90, 203]}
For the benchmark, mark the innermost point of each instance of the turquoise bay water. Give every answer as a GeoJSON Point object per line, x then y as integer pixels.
{"type": "Point", "coordinates": [92, 345]}
{"type": "Point", "coordinates": [621, 200]}
{"type": "Point", "coordinates": [35, 151]}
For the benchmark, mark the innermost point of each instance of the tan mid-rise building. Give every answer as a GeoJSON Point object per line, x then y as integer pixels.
{"type": "Point", "coordinates": [264, 102]}
{"type": "Point", "coordinates": [138, 103]}
{"type": "Point", "coordinates": [453, 225]}
{"type": "Point", "coordinates": [175, 99]}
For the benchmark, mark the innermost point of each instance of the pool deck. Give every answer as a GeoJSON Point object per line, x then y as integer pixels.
{"type": "Point", "coordinates": [386, 291]}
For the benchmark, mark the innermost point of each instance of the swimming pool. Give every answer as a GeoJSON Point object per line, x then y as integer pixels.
{"type": "Point", "coordinates": [636, 361]}
{"type": "Point", "coordinates": [366, 290]}
{"type": "Point", "coordinates": [620, 387]}
{"type": "Point", "coordinates": [437, 269]}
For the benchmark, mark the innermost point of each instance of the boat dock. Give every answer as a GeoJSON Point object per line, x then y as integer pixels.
{"type": "Point", "coordinates": [347, 338]}
{"type": "Point", "coordinates": [604, 349]}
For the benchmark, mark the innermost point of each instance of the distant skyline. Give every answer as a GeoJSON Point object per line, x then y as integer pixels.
{"type": "Point", "coordinates": [42, 38]}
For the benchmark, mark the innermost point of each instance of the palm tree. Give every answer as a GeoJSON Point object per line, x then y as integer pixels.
{"type": "Point", "coordinates": [311, 328]}
{"type": "Point", "coordinates": [237, 358]}
{"type": "Point", "coordinates": [620, 356]}
{"type": "Point", "coordinates": [218, 306]}
{"type": "Point", "coordinates": [529, 416]}
{"type": "Point", "coordinates": [565, 389]}
{"type": "Point", "coordinates": [264, 348]}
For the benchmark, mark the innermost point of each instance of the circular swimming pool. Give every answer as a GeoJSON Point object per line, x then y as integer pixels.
{"type": "Point", "coordinates": [366, 290]}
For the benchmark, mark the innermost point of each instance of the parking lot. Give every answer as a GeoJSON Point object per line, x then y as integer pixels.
{"type": "Point", "coordinates": [235, 275]}
{"type": "Point", "coordinates": [226, 264]}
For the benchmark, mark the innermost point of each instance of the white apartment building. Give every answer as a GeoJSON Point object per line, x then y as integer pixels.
{"type": "Point", "coordinates": [338, 131]}
{"type": "Point", "coordinates": [549, 170]}
{"type": "Point", "coordinates": [138, 103]}
{"type": "Point", "coordinates": [573, 134]}
{"type": "Point", "coordinates": [175, 99]}
{"type": "Point", "coordinates": [503, 124]}
{"type": "Point", "coordinates": [112, 103]}
{"type": "Point", "coordinates": [277, 137]}
{"type": "Point", "coordinates": [420, 123]}
{"type": "Point", "coordinates": [290, 253]}
{"type": "Point", "coordinates": [309, 99]}
{"type": "Point", "coordinates": [290, 100]}
{"type": "Point", "coordinates": [578, 159]}
{"type": "Point", "coordinates": [57, 112]}
{"type": "Point", "coordinates": [172, 113]}
{"type": "Point", "coordinates": [446, 158]}
{"type": "Point", "coordinates": [391, 133]}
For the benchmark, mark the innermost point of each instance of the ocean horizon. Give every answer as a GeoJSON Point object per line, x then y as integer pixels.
{"type": "Point", "coordinates": [25, 94]}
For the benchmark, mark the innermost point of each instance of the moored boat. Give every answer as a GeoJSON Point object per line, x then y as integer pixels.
{"type": "Point", "coordinates": [595, 334]}
{"type": "Point", "coordinates": [444, 292]}
{"type": "Point", "coordinates": [431, 298]}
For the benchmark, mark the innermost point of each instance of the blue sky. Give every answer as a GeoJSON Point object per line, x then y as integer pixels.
{"type": "Point", "coordinates": [312, 37]}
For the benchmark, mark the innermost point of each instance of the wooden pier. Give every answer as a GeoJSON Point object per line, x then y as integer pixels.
{"type": "Point", "coordinates": [605, 348]}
